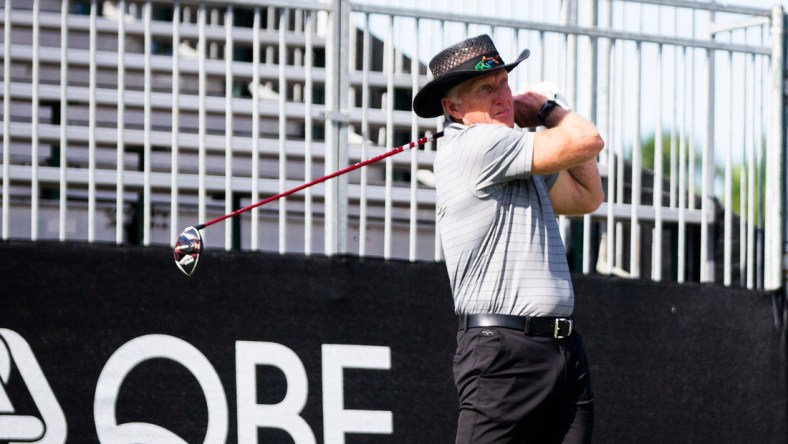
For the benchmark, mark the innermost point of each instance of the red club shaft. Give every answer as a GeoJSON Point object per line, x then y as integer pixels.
{"type": "Point", "coordinates": [348, 169]}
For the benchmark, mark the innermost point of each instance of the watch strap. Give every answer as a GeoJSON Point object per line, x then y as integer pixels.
{"type": "Point", "coordinates": [545, 110]}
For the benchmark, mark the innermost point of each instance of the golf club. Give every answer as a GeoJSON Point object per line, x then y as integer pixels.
{"type": "Point", "coordinates": [189, 244]}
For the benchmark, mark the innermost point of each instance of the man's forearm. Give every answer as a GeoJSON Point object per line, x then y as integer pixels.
{"type": "Point", "coordinates": [586, 175]}
{"type": "Point", "coordinates": [578, 190]}
{"type": "Point", "coordinates": [572, 142]}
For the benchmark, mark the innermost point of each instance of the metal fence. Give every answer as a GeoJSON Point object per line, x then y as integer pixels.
{"type": "Point", "coordinates": [125, 121]}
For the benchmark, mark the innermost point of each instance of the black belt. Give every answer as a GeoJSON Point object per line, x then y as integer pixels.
{"type": "Point", "coordinates": [555, 327]}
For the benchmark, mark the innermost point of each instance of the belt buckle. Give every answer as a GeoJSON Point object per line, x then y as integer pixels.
{"type": "Point", "coordinates": [557, 329]}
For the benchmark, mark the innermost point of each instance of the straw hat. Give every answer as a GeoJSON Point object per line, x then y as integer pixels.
{"type": "Point", "coordinates": [467, 59]}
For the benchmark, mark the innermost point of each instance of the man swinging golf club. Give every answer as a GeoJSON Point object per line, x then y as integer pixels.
{"type": "Point", "coordinates": [520, 366]}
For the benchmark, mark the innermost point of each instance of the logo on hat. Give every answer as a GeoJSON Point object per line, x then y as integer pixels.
{"type": "Point", "coordinates": [488, 62]}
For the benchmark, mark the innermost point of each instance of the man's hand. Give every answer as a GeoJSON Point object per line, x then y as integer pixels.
{"type": "Point", "coordinates": [530, 99]}
{"type": "Point", "coordinates": [526, 105]}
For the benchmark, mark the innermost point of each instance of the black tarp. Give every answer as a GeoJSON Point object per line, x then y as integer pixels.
{"type": "Point", "coordinates": [670, 363]}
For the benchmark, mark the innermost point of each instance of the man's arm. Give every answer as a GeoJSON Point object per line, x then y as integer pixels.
{"type": "Point", "coordinates": [578, 190]}
{"type": "Point", "coordinates": [568, 146]}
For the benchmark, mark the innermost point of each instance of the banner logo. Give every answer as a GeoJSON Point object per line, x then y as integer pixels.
{"type": "Point", "coordinates": [134, 353]}
{"type": "Point", "coordinates": [45, 422]}
{"type": "Point", "coordinates": [50, 427]}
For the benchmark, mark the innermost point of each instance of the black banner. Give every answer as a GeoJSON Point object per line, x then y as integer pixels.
{"type": "Point", "coordinates": [279, 348]}
{"type": "Point", "coordinates": [100, 343]}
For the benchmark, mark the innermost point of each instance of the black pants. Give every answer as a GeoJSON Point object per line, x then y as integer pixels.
{"type": "Point", "coordinates": [518, 388]}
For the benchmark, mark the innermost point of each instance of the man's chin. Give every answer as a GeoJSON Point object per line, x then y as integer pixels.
{"type": "Point", "coordinates": [504, 118]}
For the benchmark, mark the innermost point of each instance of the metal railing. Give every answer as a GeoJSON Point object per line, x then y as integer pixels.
{"type": "Point", "coordinates": [125, 121]}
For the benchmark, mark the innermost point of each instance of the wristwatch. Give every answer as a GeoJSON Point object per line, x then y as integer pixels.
{"type": "Point", "coordinates": [545, 110]}
{"type": "Point", "coordinates": [547, 107]}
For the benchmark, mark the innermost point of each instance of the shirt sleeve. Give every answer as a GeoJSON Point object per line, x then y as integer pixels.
{"type": "Point", "coordinates": [495, 154]}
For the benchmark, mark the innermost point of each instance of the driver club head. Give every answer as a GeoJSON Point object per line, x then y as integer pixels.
{"type": "Point", "coordinates": [187, 250]}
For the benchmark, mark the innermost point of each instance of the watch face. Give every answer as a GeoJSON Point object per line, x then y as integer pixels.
{"type": "Point", "coordinates": [561, 101]}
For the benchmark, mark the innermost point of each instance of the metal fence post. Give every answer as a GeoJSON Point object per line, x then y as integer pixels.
{"type": "Point", "coordinates": [774, 221]}
{"type": "Point", "coordinates": [337, 85]}
{"type": "Point", "coordinates": [707, 174]}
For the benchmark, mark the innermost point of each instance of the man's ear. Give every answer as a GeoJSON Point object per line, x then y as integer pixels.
{"type": "Point", "coordinates": [450, 107]}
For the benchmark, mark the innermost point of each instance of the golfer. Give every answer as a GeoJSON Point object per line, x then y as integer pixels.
{"type": "Point", "coordinates": [520, 367]}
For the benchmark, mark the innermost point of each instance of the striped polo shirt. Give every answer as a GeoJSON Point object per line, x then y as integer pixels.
{"type": "Point", "coordinates": [500, 237]}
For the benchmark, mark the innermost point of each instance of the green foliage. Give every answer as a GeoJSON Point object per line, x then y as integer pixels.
{"type": "Point", "coordinates": [648, 147]}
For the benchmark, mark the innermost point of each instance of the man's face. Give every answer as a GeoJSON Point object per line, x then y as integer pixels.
{"type": "Point", "coordinates": [484, 99]}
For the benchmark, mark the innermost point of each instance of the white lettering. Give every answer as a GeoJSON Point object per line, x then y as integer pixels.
{"type": "Point", "coordinates": [284, 415]}
{"type": "Point", "coordinates": [336, 420]}
{"type": "Point", "coordinates": [132, 354]}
